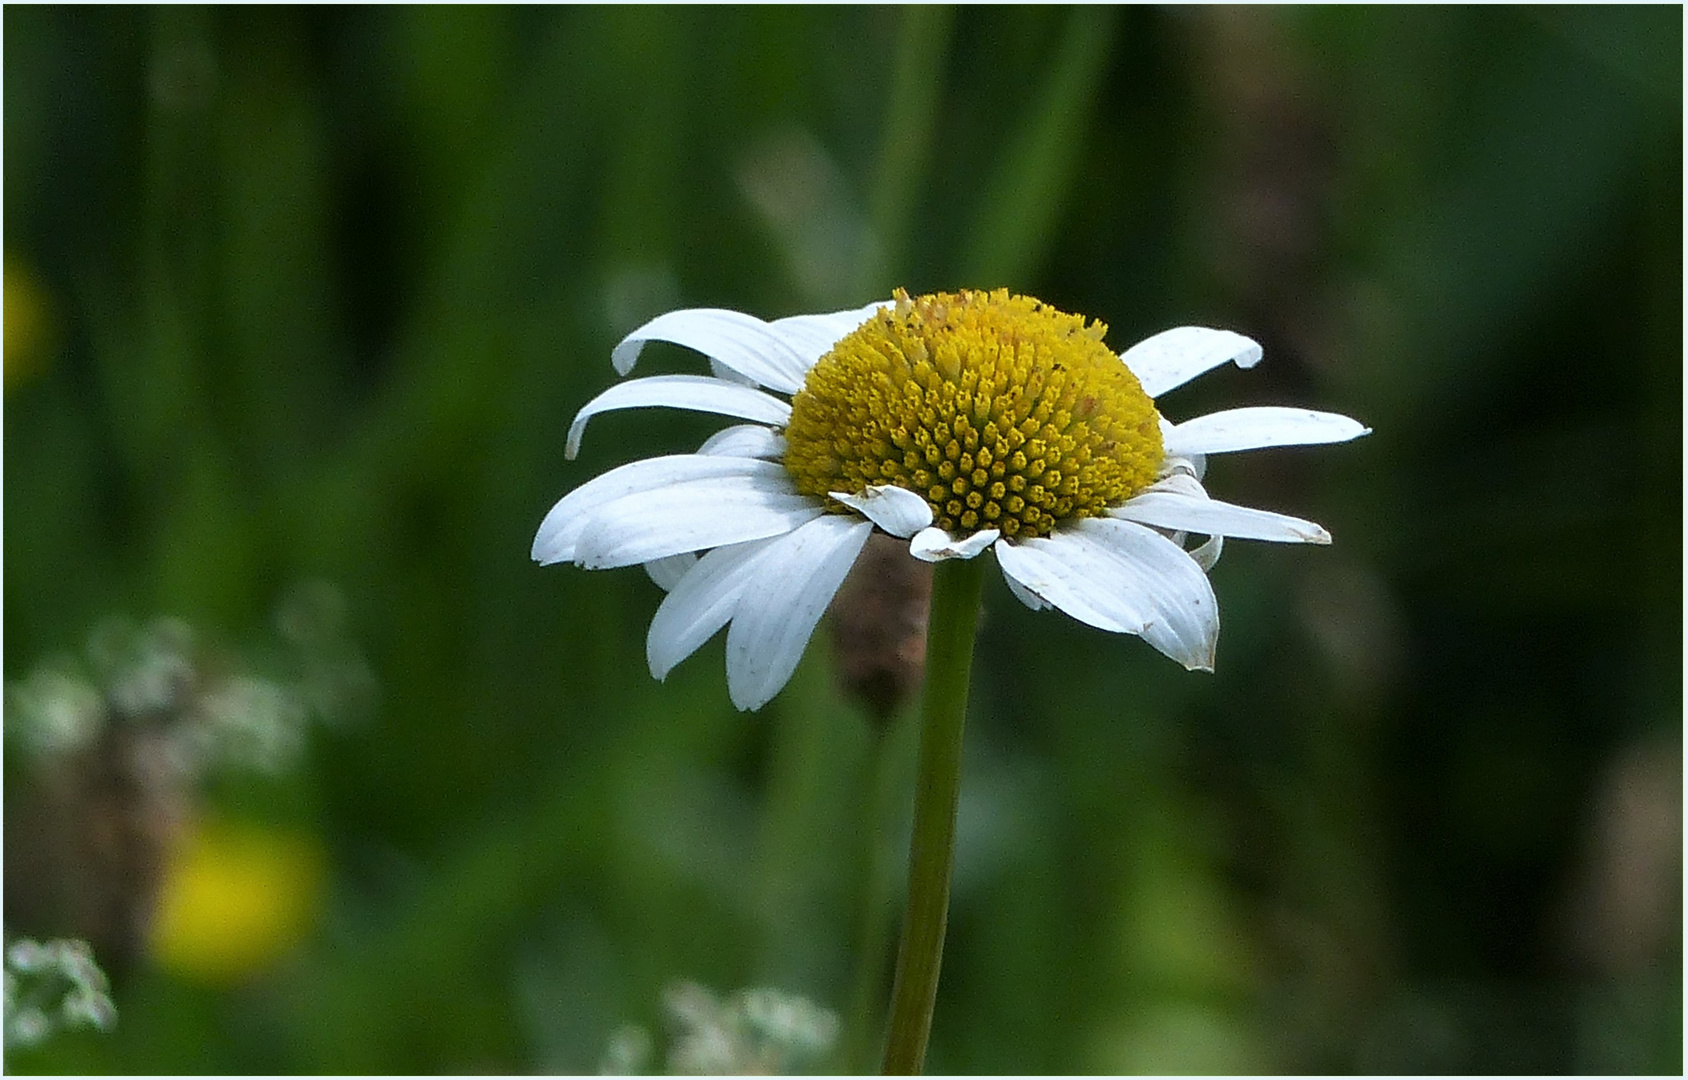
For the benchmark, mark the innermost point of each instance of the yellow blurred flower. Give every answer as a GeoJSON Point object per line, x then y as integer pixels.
{"type": "Point", "coordinates": [235, 899]}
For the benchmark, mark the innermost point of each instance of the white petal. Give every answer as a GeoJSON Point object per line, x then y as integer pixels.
{"type": "Point", "coordinates": [742, 342]}
{"type": "Point", "coordinates": [701, 604]}
{"type": "Point", "coordinates": [1193, 465]}
{"type": "Point", "coordinates": [898, 511]}
{"type": "Point", "coordinates": [666, 573]}
{"type": "Point", "coordinates": [778, 610]}
{"type": "Point", "coordinates": [1072, 578]}
{"type": "Point", "coordinates": [558, 533]}
{"type": "Point", "coordinates": [745, 440]}
{"type": "Point", "coordinates": [1021, 593]}
{"type": "Point", "coordinates": [722, 371]}
{"type": "Point", "coordinates": [698, 392]}
{"type": "Point", "coordinates": [1259, 427]}
{"type": "Point", "coordinates": [813, 336]}
{"type": "Point", "coordinates": [1173, 357]}
{"type": "Point", "coordinates": [1208, 554]}
{"type": "Point", "coordinates": [1124, 577]}
{"type": "Point", "coordinates": [690, 517]}
{"type": "Point", "coordinates": [1179, 482]}
{"type": "Point", "coordinates": [936, 545]}
{"type": "Point", "coordinates": [1183, 612]}
{"type": "Point", "coordinates": [1210, 517]}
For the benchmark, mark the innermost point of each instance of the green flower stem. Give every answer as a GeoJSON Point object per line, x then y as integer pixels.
{"type": "Point", "coordinates": [881, 771]}
{"type": "Point", "coordinates": [949, 661]}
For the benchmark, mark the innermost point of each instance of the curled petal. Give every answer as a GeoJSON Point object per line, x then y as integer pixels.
{"type": "Point", "coordinates": [898, 511]}
{"type": "Point", "coordinates": [1173, 357]}
{"type": "Point", "coordinates": [935, 545]}
{"type": "Point", "coordinates": [1193, 466]}
{"type": "Point", "coordinates": [699, 392]}
{"type": "Point", "coordinates": [1207, 554]}
{"type": "Point", "coordinates": [722, 371]}
{"type": "Point", "coordinates": [741, 342]}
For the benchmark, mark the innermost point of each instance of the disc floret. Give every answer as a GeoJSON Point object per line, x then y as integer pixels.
{"type": "Point", "coordinates": [1001, 411]}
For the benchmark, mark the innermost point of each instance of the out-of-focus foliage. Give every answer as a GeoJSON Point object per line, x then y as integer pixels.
{"type": "Point", "coordinates": [311, 295]}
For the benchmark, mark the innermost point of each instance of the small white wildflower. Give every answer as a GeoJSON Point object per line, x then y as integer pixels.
{"type": "Point", "coordinates": [145, 671]}
{"type": "Point", "coordinates": [760, 1031]}
{"type": "Point", "coordinates": [90, 1008]}
{"type": "Point", "coordinates": [628, 1052]}
{"type": "Point", "coordinates": [707, 1039]}
{"type": "Point", "coordinates": [54, 710]}
{"type": "Point", "coordinates": [28, 1027]}
{"type": "Point", "coordinates": [27, 956]}
{"type": "Point", "coordinates": [53, 985]}
{"type": "Point", "coordinates": [253, 722]}
{"type": "Point", "coordinates": [793, 1023]}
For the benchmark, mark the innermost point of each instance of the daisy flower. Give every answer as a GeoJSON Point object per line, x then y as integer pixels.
{"type": "Point", "coordinates": [960, 422]}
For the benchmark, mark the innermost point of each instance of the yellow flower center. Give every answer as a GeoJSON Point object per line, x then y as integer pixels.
{"type": "Point", "coordinates": [1001, 411]}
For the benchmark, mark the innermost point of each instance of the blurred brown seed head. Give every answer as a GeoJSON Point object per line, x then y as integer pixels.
{"type": "Point", "coordinates": [879, 626]}
{"type": "Point", "coordinates": [89, 840]}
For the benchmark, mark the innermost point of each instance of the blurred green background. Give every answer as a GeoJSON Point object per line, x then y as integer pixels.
{"type": "Point", "coordinates": [301, 302]}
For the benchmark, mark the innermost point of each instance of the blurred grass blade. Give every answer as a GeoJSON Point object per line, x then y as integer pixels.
{"type": "Point", "coordinates": [923, 44]}
{"type": "Point", "coordinates": [162, 390]}
{"type": "Point", "coordinates": [1018, 211]}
